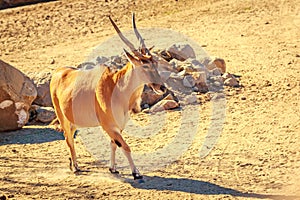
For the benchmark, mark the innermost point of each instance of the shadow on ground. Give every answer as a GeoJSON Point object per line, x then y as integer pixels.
{"type": "Point", "coordinates": [30, 136]}
{"type": "Point", "coordinates": [13, 4]}
{"type": "Point", "coordinates": [198, 187]}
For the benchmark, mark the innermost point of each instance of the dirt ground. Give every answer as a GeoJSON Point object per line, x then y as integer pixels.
{"type": "Point", "coordinates": [258, 153]}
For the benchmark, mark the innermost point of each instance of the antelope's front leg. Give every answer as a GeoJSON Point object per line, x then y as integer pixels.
{"type": "Point", "coordinates": [119, 141]}
{"type": "Point", "coordinates": [135, 172]}
{"type": "Point", "coordinates": [113, 166]}
{"type": "Point", "coordinates": [127, 152]}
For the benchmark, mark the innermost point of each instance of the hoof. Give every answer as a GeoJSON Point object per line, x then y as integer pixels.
{"type": "Point", "coordinates": [137, 176]}
{"type": "Point", "coordinates": [113, 171]}
{"type": "Point", "coordinates": [77, 170]}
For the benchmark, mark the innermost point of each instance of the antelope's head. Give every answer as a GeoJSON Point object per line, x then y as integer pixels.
{"type": "Point", "coordinates": [142, 61]}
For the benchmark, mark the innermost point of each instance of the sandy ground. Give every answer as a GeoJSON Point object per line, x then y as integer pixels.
{"type": "Point", "coordinates": [257, 155]}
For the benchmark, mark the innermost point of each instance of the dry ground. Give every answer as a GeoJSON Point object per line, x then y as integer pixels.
{"type": "Point", "coordinates": [258, 153]}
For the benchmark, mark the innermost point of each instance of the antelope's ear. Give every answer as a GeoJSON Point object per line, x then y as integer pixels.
{"type": "Point", "coordinates": [135, 62]}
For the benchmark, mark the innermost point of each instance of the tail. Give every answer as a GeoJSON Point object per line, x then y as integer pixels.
{"type": "Point", "coordinates": [54, 122]}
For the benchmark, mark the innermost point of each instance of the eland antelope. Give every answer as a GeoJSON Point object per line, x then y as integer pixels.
{"type": "Point", "coordinates": [102, 97]}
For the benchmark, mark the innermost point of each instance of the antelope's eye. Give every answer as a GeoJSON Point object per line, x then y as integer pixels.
{"type": "Point", "coordinates": [145, 66]}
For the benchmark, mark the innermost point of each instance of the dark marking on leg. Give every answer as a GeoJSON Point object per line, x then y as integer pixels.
{"type": "Point", "coordinates": [118, 143]}
{"type": "Point", "coordinates": [71, 164]}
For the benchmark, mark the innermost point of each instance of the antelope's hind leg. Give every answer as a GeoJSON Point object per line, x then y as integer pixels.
{"type": "Point", "coordinates": [65, 124]}
{"type": "Point", "coordinates": [69, 131]}
{"type": "Point", "coordinates": [69, 136]}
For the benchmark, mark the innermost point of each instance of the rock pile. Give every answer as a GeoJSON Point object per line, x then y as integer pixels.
{"type": "Point", "coordinates": [186, 76]}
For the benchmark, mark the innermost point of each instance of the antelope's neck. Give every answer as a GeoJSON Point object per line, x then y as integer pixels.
{"type": "Point", "coordinates": [128, 86]}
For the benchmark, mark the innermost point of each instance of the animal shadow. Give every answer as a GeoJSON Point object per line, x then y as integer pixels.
{"type": "Point", "coordinates": [198, 187]}
{"type": "Point", "coordinates": [30, 136]}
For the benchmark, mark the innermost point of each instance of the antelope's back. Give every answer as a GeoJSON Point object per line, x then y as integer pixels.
{"type": "Point", "coordinates": [73, 92]}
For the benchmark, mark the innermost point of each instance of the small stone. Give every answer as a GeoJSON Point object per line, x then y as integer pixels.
{"type": "Point", "coordinates": [190, 99]}
{"type": "Point", "coordinates": [45, 114]}
{"type": "Point", "coordinates": [188, 67]}
{"type": "Point", "coordinates": [145, 106]}
{"type": "Point", "coordinates": [181, 51]}
{"type": "Point", "coordinates": [195, 89]}
{"type": "Point", "coordinates": [182, 73]}
{"type": "Point", "coordinates": [116, 59]}
{"type": "Point", "coordinates": [52, 61]}
{"type": "Point", "coordinates": [164, 105]}
{"type": "Point", "coordinates": [227, 75]}
{"type": "Point", "coordinates": [214, 62]}
{"type": "Point", "coordinates": [189, 81]}
{"type": "Point", "coordinates": [232, 82]}
{"type": "Point", "coordinates": [165, 75]}
{"type": "Point", "coordinates": [175, 76]}
{"type": "Point", "coordinates": [101, 59]}
{"type": "Point", "coordinates": [202, 87]}
{"type": "Point", "coordinates": [217, 79]}
{"type": "Point", "coordinates": [86, 65]}
{"type": "Point", "coordinates": [150, 97]}
{"type": "Point", "coordinates": [199, 77]}
{"type": "Point", "coordinates": [243, 98]}
{"type": "Point", "coordinates": [216, 72]}
{"type": "Point", "coordinates": [217, 83]}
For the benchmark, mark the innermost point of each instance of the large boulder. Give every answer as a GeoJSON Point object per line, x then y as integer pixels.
{"type": "Point", "coordinates": [17, 92]}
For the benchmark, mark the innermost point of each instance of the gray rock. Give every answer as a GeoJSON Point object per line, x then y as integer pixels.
{"type": "Point", "coordinates": [42, 83]}
{"type": "Point", "coordinates": [190, 99]}
{"type": "Point", "coordinates": [45, 114]}
{"type": "Point", "coordinates": [216, 72]}
{"type": "Point", "coordinates": [232, 82]}
{"type": "Point", "coordinates": [101, 59]}
{"type": "Point", "coordinates": [188, 81]}
{"type": "Point", "coordinates": [181, 51]}
{"type": "Point", "coordinates": [165, 75]}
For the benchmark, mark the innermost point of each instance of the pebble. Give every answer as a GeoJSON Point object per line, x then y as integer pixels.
{"type": "Point", "coordinates": [189, 81]}
{"type": "Point", "coordinates": [190, 99]}
{"type": "Point", "coordinates": [52, 61]}
{"type": "Point", "coordinates": [231, 82]}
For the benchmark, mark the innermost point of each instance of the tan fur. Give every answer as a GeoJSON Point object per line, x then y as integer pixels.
{"type": "Point", "coordinates": [100, 97]}
{"type": "Point", "coordinates": [96, 97]}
